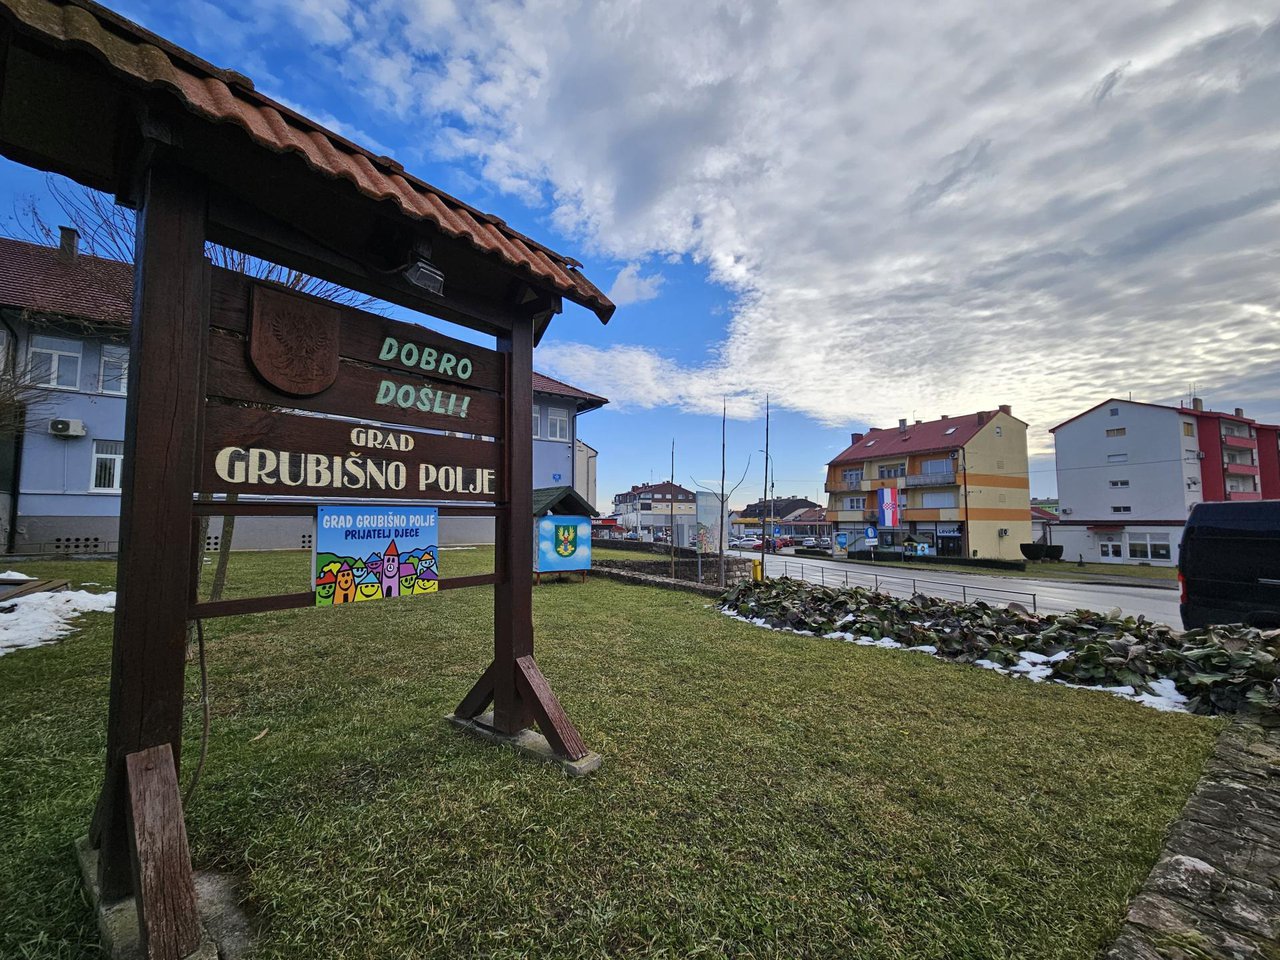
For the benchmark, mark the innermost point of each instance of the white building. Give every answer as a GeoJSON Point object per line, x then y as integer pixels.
{"type": "Point", "coordinates": [1129, 474]}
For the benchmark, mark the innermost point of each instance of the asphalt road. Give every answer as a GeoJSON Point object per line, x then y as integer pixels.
{"type": "Point", "coordinates": [1051, 596]}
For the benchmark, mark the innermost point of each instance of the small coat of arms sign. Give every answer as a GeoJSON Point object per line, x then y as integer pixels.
{"type": "Point", "coordinates": [564, 543]}
{"type": "Point", "coordinates": [293, 341]}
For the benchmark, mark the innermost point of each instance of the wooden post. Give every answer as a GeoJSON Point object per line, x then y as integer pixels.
{"type": "Point", "coordinates": [513, 593]}
{"type": "Point", "coordinates": [166, 385]}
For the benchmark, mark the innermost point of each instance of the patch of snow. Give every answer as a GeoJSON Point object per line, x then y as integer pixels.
{"type": "Point", "coordinates": [11, 575]}
{"type": "Point", "coordinates": [990, 665]}
{"type": "Point", "coordinates": [1164, 696]}
{"type": "Point", "coordinates": [44, 617]}
{"type": "Point", "coordinates": [923, 648]}
{"type": "Point", "coordinates": [1059, 656]}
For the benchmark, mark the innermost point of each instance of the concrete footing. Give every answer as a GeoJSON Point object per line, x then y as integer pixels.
{"type": "Point", "coordinates": [529, 742]}
{"type": "Point", "coordinates": [226, 930]}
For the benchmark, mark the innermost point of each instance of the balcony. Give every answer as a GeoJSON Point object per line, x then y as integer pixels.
{"type": "Point", "coordinates": [1234, 495]}
{"type": "Point", "coordinates": [932, 480]}
{"type": "Point", "coordinates": [875, 483]}
{"type": "Point", "coordinates": [1239, 443]}
{"type": "Point", "coordinates": [1240, 469]}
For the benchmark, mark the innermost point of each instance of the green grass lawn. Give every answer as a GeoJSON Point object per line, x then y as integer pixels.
{"type": "Point", "coordinates": [763, 794]}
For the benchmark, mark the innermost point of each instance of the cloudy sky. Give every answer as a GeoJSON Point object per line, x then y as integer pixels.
{"type": "Point", "coordinates": [869, 211]}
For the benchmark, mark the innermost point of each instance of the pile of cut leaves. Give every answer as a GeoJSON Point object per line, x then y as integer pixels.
{"type": "Point", "coordinates": [1219, 669]}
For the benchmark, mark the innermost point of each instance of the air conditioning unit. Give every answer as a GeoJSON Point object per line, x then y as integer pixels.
{"type": "Point", "coordinates": [67, 428]}
{"type": "Point", "coordinates": [955, 454]}
{"type": "Point", "coordinates": [1003, 532]}
{"type": "Point", "coordinates": [1066, 511]}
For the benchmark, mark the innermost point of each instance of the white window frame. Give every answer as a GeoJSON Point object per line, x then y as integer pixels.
{"type": "Point", "coordinates": [117, 469]}
{"type": "Point", "coordinates": [558, 415]}
{"type": "Point", "coordinates": [1114, 432]}
{"type": "Point", "coordinates": [122, 357]}
{"type": "Point", "coordinates": [1122, 509]}
{"type": "Point", "coordinates": [857, 503]}
{"type": "Point", "coordinates": [537, 421]}
{"type": "Point", "coordinates": [1119, 483]}
{"type": "Point", "coordinates": [55, 360]}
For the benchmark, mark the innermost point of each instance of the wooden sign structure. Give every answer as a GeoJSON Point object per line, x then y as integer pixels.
{"type": "Point", "coordinates": [238, 386]}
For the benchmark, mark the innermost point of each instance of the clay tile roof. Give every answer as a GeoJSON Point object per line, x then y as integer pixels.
{"type": "Point", "coordinates": [39, 278]}
{"type": "Point", "coordinates": [1039, 513]}
{"type": "Point", "coordinates": [223, 96]}
{"type": "Point", "coordinates": [918, 438]}
{"type": "Point", "coordinates": [586, 401]}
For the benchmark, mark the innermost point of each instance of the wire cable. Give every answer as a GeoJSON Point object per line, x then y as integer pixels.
{"type": "Point", "coordinates": [204, 735]}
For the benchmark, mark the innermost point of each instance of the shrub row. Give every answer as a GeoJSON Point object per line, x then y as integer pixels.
{"type": "Point", "coordinates": [1219, 669]}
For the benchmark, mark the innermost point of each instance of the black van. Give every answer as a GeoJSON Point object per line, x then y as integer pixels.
{"type": "Point", "coordinates": [1229, 564]}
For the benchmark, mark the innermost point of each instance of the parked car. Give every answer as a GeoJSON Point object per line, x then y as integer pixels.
{"type": "Point", "coordinates": [1229, 564]}
{"type": "Point", "coordinates": [809, 542]}
{"type": "Point", "coordinates": [749, 543]}
{"type": "Point", "coordinates": [631, 535]}
{"type": "Point", "coordinates": [824, 543]}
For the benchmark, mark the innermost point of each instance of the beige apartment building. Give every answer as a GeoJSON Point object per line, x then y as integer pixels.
{"type": "Point", "coordinates": [962, 482]}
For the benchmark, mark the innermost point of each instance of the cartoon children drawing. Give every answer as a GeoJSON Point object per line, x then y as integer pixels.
{"type": "Point", "coordinates": [325, 585]}
{"type": "Point", "coordinates": [389, 574]}
{"type": "Point", "coordinates": [346, 588]}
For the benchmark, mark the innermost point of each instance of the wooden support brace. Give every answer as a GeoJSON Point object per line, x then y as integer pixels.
{"type": "Point", "coordinates": [479, 697]}
{"type": "Point", "coordinates": [163, 886]}
{"type": "Point", "coordinates": [550, 716]}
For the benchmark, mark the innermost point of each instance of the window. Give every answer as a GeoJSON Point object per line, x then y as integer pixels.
{"type": "Point", "coordinates": [1122, 509]}
{"type": "Point", "coordinates": [1114, 411]}
{"type": "Point", "coordinates": [852, 476]}
{"type": "Point", "coordinates": [857, 503]}
{"type": "Point", "coordinates": [938, 499]}
{"type": "Point", "coordinates": [1119, 483]}
{"type": "Point", "coordinates": [871, 443]}
{"type": "Point", "coordinates": [537, 422]}
{"type": "Point", "coordinates": [888, 470]}
{"type": "Point", "coordinates": [113, 371]}
{"type": "Point", "coordinates": [949, 431]}
{"type": "Point", "coordinates": [1188, 428]}
{"type": "Point", "coordinates": [1116, 432]}
{"type": "Point", "coordinates": [55, 362]}
{"type": "Point", "coordinates": [557, 425]}
{"type": "Point", "coordinates": [108, 460]}
{"type": "Point", "coordinates": [1117, 458]}
{"type": "Point", "coordinates": [999, 431]}
{"type": "Point", "coordinates": [1149, 546]}
{"type": "Point", "coordinates": [933, 468]}
{"type": "Point", "coordinates": [1110, 550]}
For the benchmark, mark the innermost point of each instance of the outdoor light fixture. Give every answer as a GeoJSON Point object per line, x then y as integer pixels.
{"type": "Point", "coordinates": [421, 272]}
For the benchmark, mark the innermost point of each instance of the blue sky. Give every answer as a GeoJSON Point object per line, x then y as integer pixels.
{"type": "Point", "coordinates": [867, 213]}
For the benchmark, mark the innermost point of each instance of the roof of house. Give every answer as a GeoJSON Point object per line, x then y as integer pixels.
{"type": "Point", "coordinates": [917, 438]}
{"type": "Point", "coordinates": [564, 501]}
{"type": "Point", "coordinates": [36, 277]}
{"type": "Point", "coordinates": [807, 515]}
{"type": "Point", "coordinates": [1188, 411]}
{"type": "Point", "coordinates": [40, 278]}
{"type": "Point", "coordinates": [148, 62]}
{"type": "Point", "coordinates": [586, 401]}
{"type": "Point", "coordinates": [778, 507]}
{"type": "Point", "coordinates": [665, 486]}
{"type": "Point", "coordinates": [1039, 514]}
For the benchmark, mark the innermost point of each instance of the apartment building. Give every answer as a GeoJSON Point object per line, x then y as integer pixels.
{"type": "Point", "coordinates": [650, 508]}
{"type": "Point", "coordinates": [1130, 472]}
{"type": "Point", "coordinates": [962, 486]}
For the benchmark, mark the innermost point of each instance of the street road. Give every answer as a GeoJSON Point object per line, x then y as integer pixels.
{"type": "Point", "coordinates": [1051, 596]}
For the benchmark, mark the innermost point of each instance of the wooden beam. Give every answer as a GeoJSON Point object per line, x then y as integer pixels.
{"type": "Point", "coordinates": [293, 601]}
{"type": "Point", "coordinates": [478, 697]}
{"type": "Point", "coordinates": [552, 720]}
{"type": "Point", "coordinates": [166, 895]}
{"type": "Point", "coordinates": [165, 398]}
{"type": "Point", "coordinates": [277, 508]}
{"type": "Point", "coordinates": [513, 594]}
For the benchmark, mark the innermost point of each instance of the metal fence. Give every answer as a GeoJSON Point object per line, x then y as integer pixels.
{"type": "Point", "coordinates": [899, 583]}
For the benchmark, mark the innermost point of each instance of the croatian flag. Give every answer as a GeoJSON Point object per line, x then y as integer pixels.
{"type": "Point", "coordinates": [889, 507]}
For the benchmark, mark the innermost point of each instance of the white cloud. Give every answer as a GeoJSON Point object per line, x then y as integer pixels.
{"type": "Point", "coordinates": [630, 286]}
{"type": "Point", "coordinates": [917, 208]}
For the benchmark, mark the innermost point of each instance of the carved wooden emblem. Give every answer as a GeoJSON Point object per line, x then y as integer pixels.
{"type": "Point", "coordinates": [293, 341]}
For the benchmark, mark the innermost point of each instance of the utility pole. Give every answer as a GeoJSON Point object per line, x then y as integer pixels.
{"type": "Point", "coordinates": [673, 508]}
{"type": "Point", "coordinates": [724, 514]}
{"type": "Point", "coordinates": [764, 494]}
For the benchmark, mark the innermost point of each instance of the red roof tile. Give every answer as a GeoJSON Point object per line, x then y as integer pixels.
{"type": "Point", "coordinates": [36, 277]}
{"type": "Point", "coordinates": [918, 438]}
{"type": "Point", "coordinates": [544, 384]}
{"type": "Point", "coordinates": [1039, 513]}
{"type": "Point", "coordinates": [222, 96]}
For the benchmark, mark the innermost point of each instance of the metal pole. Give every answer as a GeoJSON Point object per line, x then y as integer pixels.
{"type": "Point", "coordinates": [764, 494]}
{"type": "Point", "coordinates": [672, 494]}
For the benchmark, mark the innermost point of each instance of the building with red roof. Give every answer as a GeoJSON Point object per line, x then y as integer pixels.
{"type": "Point", "coordinates": [955, 486]}
{"type": "Point", "coordinates": [1129, 473]}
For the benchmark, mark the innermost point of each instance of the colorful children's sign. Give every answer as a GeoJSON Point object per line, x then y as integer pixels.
{"type": "Point", "coordinates": [564, 543]}
{"type": "Point", "coordinates": [373, 553]}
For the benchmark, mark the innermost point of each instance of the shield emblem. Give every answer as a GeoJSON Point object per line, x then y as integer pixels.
{"type": "Point", "coordinates": [566, 539]}
{"type": "Point", "coordinates": [293, 341]}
